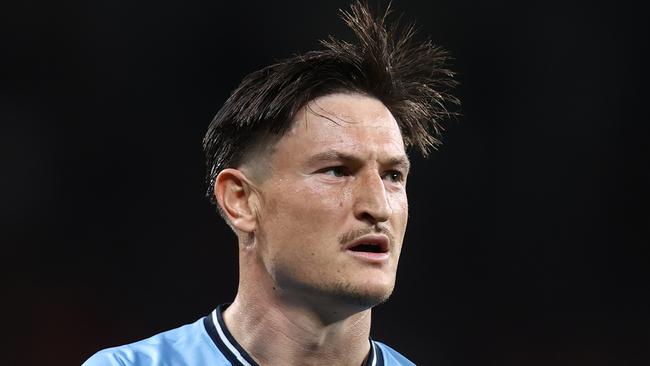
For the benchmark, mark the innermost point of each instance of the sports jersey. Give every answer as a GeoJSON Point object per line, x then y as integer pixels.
{"type": "Point", "coordinates": [207, 342]}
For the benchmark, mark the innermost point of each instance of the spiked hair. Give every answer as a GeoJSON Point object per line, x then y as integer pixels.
{"type": "Point", "coordinates": [411, 79]}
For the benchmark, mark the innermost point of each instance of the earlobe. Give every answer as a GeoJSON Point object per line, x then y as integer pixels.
{"type": "Point", "coordinates": [232, 192]}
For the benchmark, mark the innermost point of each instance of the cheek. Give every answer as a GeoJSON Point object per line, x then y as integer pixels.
{"type": "Point", "coordinates": [400, 207]}
{"type": "Point", "coordinates": [400, 220]}
{"type": "Point", "coordinates": [316, 198]}
{"type": "Point", "coordinates": [301, 230]}
{"type": "Point", "coordinates": [304, 213]}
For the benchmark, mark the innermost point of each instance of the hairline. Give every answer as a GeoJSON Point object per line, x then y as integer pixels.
{"type": "Point", "coordinates": [264, 145]}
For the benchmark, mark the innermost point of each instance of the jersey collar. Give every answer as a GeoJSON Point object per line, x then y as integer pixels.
{"type": "Point", "coordinates": [226, 343]}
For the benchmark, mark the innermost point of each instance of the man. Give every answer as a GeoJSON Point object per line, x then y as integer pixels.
{"type": "Point", "coordinates": [307, 164]}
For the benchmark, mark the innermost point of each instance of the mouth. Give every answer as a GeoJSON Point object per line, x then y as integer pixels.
{"type": "Point", "coordinates": [370, 248]}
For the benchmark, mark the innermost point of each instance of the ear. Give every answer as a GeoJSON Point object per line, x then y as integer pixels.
{"type": "Point", "coordinates": [232, 191]}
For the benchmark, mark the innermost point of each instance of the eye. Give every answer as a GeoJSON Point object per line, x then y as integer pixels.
{"type": "Point", "coordinates": [335, 171]}
{"type": "Point", "coordinates": [395, 176]}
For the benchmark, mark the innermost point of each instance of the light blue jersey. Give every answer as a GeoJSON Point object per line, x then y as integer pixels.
{"type": "Point", "coordinates": [207, 342]}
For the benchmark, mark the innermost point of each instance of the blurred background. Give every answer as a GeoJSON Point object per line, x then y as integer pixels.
{"type": "Point", "coordinates": [529, 231]}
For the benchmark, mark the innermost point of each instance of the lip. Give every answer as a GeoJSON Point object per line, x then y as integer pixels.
{"type": "Point", "coordinates": [377, 258]}
{"type": "Point", "coordinates": [379, 240]}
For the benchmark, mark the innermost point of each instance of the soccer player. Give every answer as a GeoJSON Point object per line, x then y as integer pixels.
{"type": "Point", "coordinates": [307, 164]}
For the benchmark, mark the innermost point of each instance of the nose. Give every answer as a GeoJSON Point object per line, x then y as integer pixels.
{"type": "Point", "coordinates": [372, 203]}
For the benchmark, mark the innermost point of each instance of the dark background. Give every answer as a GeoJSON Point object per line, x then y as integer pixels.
{"type": "Point", "coordinates": [529, 232]}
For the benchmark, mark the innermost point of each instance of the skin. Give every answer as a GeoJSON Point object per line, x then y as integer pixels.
{"type": "Point", "coordinates": [338, 173]}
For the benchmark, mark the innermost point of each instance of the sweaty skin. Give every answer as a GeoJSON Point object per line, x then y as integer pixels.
{"type": "Point", "coordinates": [339, 174]}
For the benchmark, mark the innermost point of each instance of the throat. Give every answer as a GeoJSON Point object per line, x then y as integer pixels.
{"type": "Point", "coordinates": [298, 337]}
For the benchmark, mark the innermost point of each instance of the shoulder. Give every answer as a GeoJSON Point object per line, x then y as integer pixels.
{"type": "Point", "coordinates": [186, 345]}
{"type": "Point", "coordinates": [392, 357]}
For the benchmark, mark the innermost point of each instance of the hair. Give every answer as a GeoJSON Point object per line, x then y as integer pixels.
{"type": "Point", "coordinates": [410, 78]}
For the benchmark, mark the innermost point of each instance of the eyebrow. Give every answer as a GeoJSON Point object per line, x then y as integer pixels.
{"type": "Point", "coordinates": [333, 155]}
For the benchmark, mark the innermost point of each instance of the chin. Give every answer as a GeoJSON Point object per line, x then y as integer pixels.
{"type": "Point", "coordinates": [354, 296]}
{"type": "Point", "coordinates": [365, 297]}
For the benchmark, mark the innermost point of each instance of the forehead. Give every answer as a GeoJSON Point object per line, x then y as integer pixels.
{"type": "Point", "coordinates": [347, 121]}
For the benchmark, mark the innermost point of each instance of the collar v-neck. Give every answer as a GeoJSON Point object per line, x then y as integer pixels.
{"type": "Point", "coordinates": [235, 353]}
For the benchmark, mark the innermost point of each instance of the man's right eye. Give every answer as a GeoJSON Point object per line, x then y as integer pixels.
{"type": "Point", "coordinates": [335, 171]}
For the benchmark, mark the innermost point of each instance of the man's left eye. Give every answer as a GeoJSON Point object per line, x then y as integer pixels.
{"type": "Point", "coordinates": [395, 176]}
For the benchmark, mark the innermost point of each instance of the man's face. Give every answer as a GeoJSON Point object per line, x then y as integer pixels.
{"type": "Point", "coordinates": [333, 210]}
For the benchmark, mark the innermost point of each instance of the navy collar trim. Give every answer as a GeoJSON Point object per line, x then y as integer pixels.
{"type": "Point", "coordinates": [226, 343]}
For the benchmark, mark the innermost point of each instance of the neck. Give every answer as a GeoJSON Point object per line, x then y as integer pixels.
{"type": "Point", "coordinates": [302, 334]}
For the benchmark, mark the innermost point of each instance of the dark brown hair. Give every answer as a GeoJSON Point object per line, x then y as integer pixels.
{"type": "Point", "coordinates": [411, 79]}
